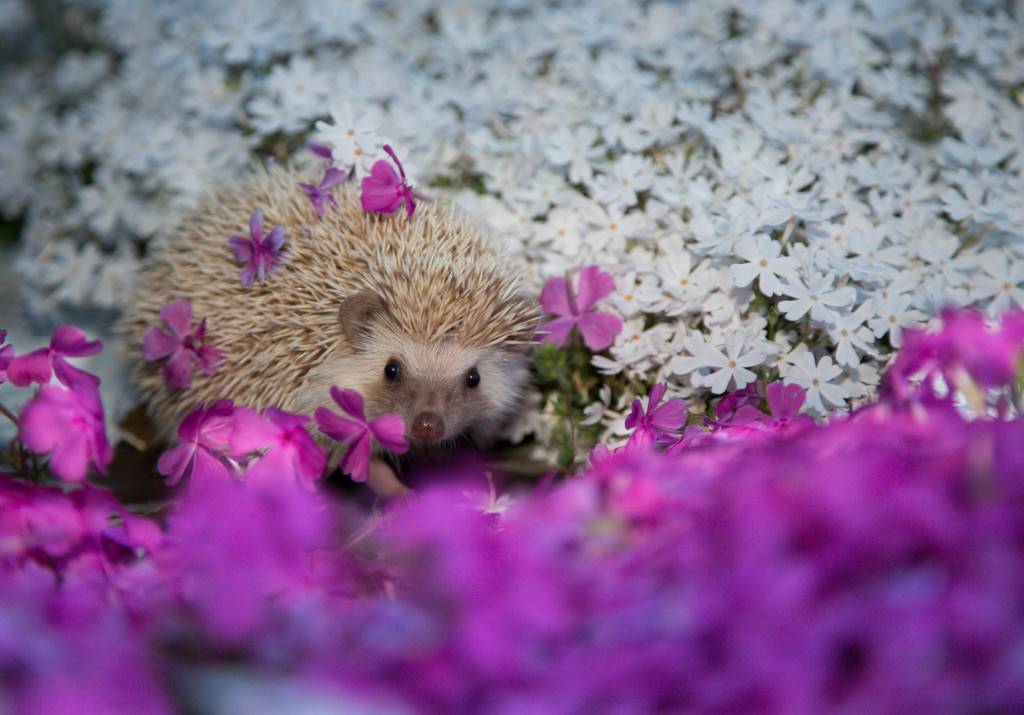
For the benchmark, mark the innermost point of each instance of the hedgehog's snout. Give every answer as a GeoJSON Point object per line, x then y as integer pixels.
{"type": "Point", "coordinates": [428, 427]}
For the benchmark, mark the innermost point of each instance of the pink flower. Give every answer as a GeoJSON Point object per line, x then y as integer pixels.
{"type": "Point", "coordinates": [784, 401]}
{"type": "Point", "coordinates": [288, 450]}
{"type": "Point", "coordinates": [358, 433]}
{"type": "Point", "coordinates": [319, 194]}
{"type": "Point", "coordinates": [183, 345]}
{"type": "Point", "coordinates": [201, 454]}
{"type": "Point", "coordinates": [6, 356]}
{"type": "Point", "coordinates": [261, 255]}
{"type": "Point", "coordinates": [39, 365]}
{"type": "Point", "coordinates": [557, 298]}
{"type": "Point", "coordinates": [658, 423]}
{"type": "Point", "coordinates": [67, 423]}
{"type": "Point", "coordinates": [384, 191]}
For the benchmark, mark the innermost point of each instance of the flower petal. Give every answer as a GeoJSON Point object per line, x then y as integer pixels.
{"type": "Point", "coordinates": [241, 247]}
{"type": "Point", "coordinates": [356, 462]}
{"type": "Point", "coordinates": [178, 316]}
{"type": "Point", "coordinates": [178, 370]}
{"type": "Point", "coordinates": [157, 343]}
{"type": "Point", "coordinates": [389, 430]}
{"type": "Point", "coordinates": [595, 284]}
{"type": "Point", "coordinates": [31, 367]}
{"type": "Point", "coordinates": [70, 341]}
{"type": "Point", "coordinates": [599, 329]}
{"type": "Point", "coordinates": [555, 331]}
{"type": "Point", "coordinates": [554, 298]}
{"type": "Point", "coordinates": [350, 401]}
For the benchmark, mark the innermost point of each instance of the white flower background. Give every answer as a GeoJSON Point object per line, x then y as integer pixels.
{"type": "Point", "coordinates": [780, 188]}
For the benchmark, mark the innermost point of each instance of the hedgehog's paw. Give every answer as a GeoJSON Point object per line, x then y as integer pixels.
{"type": "Point", "coordinates": [383, 480]}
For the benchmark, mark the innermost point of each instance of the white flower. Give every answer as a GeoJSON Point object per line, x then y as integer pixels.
{"type": "Point", "coordinates": [730, 365]}
{"type": "Point", "coordinates": [1001, 283]}
{"type": "Point", "coordinates": [575, 149]}
{"type": "Point", "coordinates": [350, 134]}
{"type": "Point", "coordinates": [814, 294]}
{"type": "Point", "coordinates": [630, 174]}
{"type": "Point", "coordinates": [850, 338]}
{"type": "Point", "coordinates": [764, 262]}
{"type": "Point", "coordinates": [892, 313]}
{"type": "Point", "coordinates": [819, 381]}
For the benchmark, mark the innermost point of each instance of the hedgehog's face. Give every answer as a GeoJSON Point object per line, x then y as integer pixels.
{"type": "Point", "coordinates": [441, 388]}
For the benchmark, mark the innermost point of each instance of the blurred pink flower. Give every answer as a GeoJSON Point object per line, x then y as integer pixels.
{"type": "Point", "coordinates": [183, 345]}
{"type": "Point", "coordinates": [557, 298]}
{"type": "Point", "coordinates": [67, 423]}
{"type": "Point", "coordinates": [39, 365]}
{"type": "Point", "coordinates": [288, 450]}
{"type": "Point", "coordinates": [201, 454]}
{"type": "Point", "coordinates": [388, 430]}
{"type": "Point", "coordinates": [262, 255]}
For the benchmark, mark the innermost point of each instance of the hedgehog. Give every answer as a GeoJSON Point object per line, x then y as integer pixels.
{"type": "Point", "coordinates": [423, 316]}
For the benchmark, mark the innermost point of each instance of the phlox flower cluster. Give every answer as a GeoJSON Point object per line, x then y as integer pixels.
{"type": "Point", "coordinates": [869, 564]}
{"type": "Point", "coordinates": [224, 442]}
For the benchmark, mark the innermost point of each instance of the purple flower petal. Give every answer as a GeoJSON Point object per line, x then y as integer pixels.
{"type": "Point", "coordinates": [599, 329]}
{"type": "Point", "coordinates": [70, 341]}
{"type": "Point", "coordinates": [555, 331]}
{"type": "Point", "coordinates": [785, 400]}
{"type": "Point", "coordinates": [554, 297]}
{"type": "Point", "coordinates": [178, 370]}
{"type": "Point", "coordinates": [356, 462]}
{"type": "Point", "coordinates": [31, 367]}
{"type": "Point", "coordinates": [350, 401]}
{"type": "Point", "coordinates": [157, 343]}
{"type": "Point", "coordinates": [249, 431]}
{"type": "Point", "coordinates": [595, 284]}
{"type": "Point", "coordinates": [177, 463]}
{"type": "Point", "coordinates": [241, 247]}
{"type": "Point", "coordinates": [337, 427]}
{"type": "Point", "coordinates": [333, 177]}
{"type": "Point", "coordinates": [256, 226]}
{"type": "Point", "coordinates": [178, 316]}
{"type": "Point", "coordinates": [70, 375]}
{"type": "Point", "coordinates": [389, 430]}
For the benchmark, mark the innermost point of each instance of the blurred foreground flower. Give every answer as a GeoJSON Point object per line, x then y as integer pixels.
{"type": "Point", "coordinates": [68, 424]}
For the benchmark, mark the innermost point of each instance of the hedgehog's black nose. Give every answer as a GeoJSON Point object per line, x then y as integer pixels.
{"type": "Point", "coordinates": [428, 427]}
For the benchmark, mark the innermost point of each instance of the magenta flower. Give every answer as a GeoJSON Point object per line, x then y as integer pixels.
{"type": "Point", "coordinates": [262, 255]}
{"type": "Point", "coordinates": [39, 365]}
{"type": "Point", "coordinates": [384, 191]}
{"type": "Point", "coordinates": [784, 401]}
{"type": "Point", "coordinates": [388, 430]}
{"type": "Point", "coordinates": [67, 423]}
{"type": "Point", "coordinates": [320, 194]}
{"type": "Point", "coordinates": [6, 356]}
{"type": "Point", "coordinates": [557, 298]}
{"type": "Point", "coordinates": [658, 423]}
{"type": "Point", "coordinates": [182, 344]}
{"type": "Point", "coordinates": [288, 450]}
{"type": "Point", "coordinates": [201, 454]}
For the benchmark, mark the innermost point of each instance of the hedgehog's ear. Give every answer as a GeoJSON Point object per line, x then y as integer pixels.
{"type": "Point", "coordinates": [356, 315]}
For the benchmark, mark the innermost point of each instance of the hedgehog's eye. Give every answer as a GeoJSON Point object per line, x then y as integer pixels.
{"type": "Point", "coordinates": [472, 378]}
{"type": "Point", "coordinates": [392, 371]}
